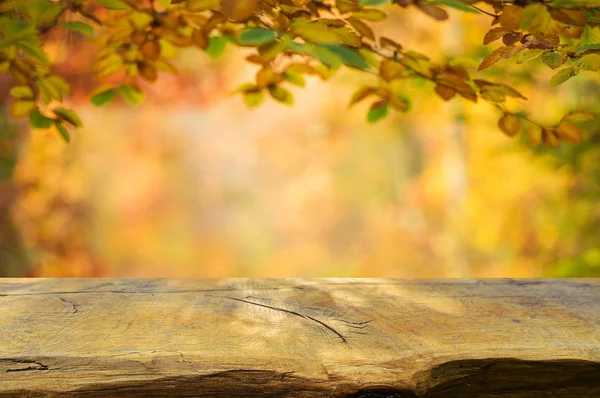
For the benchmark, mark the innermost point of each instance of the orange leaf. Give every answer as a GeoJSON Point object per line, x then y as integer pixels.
{"type": "Point", "coordinates": [150, 50]}
{"type": "Point", "coordinates": [434, 11]}
{"type": "Point", "coordinates": [550, 138]}
{"type": "Point", "coordinates": [569, 132]}
{"type": "Point", "coordinates": [493, 35]}
{"type": "Point", "coordinates": [509, 124]}
{"type": "Point", "coordinates": [498, 54]}
{"type": "Point", "coordinates": [445, 92]}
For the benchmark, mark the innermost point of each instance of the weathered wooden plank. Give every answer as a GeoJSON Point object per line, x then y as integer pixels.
{"type": "Point", "coordinates": [299, 338]}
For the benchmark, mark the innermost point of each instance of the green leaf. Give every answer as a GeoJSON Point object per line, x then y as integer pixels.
{"type": "Point", "coordinates": [456, 4]}
{"type": "Point", "coordinates": [373, 3]}
{"type": "Point", "coordinates": [563, 75]}
{"type": "Point", "coordinates": [590, 46]}
{"type": "Point", "coordinates": [132, 94]}
{"type": "Point", "coordinates": [14, 31]}
{"type": "Point", "coordinates": [68, 116]}
{"type": "Point", "coordinates": [325, 55]}
{"type": "Point", "coordinates": [43, 11]}
{"type": "Point", "coordinates": [63, 131]}
{"type": "Point", "coordinates": [256, 36]}
{"type": "Point", "coordinates": [35, 52]}
{"type": "Point", "coordinates": [59, 84]}
{"type": "Point", "coordinates": [21, 92]}
{"type": "Point", "coordinates": [281, 94]}
{"type": "Point", "coordinates": [300, 48]}
{"type": "Point", "coordinates": [77, 26]}
{"type": "Point", "coordinates": [294, 78]}
{"type": "Point", "coordinates": [590, 35]}
{"type": "Point", "coordinates": [528, 55]}
{"type": "Point", "coordinates": [348, 55]}
{"type": "Point", "coordinates": [216, 46]}
{"type": "Point", "coordinates": [377, 111]}
{"type": "Point", "coordinates": [574, 3]}
{"type": "Point", "coordinates": [104, 97]}
{"type": "Point", "coordinates": [39, 121]}
{"type": "Point", "coordinates": [554, 59]}
{"type": "Point", "coordinates": [47, 91]}
{"type": "Point", "coordinates": [253, 98]}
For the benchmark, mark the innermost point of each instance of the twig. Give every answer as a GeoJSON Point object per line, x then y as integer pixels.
{"type": "Point", "coordinates": [483, 11]}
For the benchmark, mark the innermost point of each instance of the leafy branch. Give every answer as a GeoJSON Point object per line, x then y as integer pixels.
{"type": "Point", "coordinates": [291, 39]}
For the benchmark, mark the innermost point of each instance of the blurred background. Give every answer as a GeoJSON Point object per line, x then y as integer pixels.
{"type": "Point", "coordinates": [194, 184]}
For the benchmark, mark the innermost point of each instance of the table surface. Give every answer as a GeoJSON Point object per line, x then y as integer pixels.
{"type": "Point", "coordinates": [299, 337]}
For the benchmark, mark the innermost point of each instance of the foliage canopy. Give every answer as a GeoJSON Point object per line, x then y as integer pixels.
{"type": "Point", "coordinates": [291, 39]}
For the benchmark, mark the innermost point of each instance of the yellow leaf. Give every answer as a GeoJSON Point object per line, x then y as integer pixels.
{"type": "Point", "coordinates": [589, 62]}
{"type": "Point", "coordinates": [239, 10]}
{"type": "Point", "coordinates": [417, 63]}
{"type": "Point", "coordinates": [579, 116]}
{"type": "Point", "coordinates": [320, 32]}
{"type": "Point", "coordinates": [371, 14]}
{"type": "Point", "coordinates": [385, 42]}
{"type": "Point", "coordinates": [510, 19]}
{"type": "Point", "coordinates": [202, 5]}
{"type": "Point", "coordinates": [21, 108]}
{"type": "Point", "coordinates": [254, 97]}
{"type": "Point", "coordinates": [390, 70]}
{"type": "Point", "coordinates": [537, 20]}
{"type": "Point", "coordinates": [21, 92]}
{"type": "Point", "coordinates": [266, 77]}
{"type": "Point", "coordinates": [362, 28]}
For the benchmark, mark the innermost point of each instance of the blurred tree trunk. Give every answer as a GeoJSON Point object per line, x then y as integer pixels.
{"type": "Point", "coordinates": [14, 260]}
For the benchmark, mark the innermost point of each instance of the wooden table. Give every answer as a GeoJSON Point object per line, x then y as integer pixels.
{"type": "Point", "coordinates": [299, 338]}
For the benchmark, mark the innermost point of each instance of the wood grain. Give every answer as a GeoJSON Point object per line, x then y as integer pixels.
{"type": "Point", "coordinates": [299, 338]}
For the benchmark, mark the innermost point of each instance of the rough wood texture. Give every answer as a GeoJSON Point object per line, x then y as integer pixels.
{"type": "Point", "coordinates": [299, 338]}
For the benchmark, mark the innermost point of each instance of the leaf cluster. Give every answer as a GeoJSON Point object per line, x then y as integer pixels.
{"type": "Point", "coordinates": [292, 39]}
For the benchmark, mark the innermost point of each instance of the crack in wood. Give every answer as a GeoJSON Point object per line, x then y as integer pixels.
{"type": "Point", "coordinates": [296, 314]}
{"type": "Point", "coordinates": [40, 366]}
{"type": "Point", "coordinates": [73, 305]}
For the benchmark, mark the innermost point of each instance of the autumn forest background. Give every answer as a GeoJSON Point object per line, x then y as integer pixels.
{"type": "Point", "coordinates": [192, 183]}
